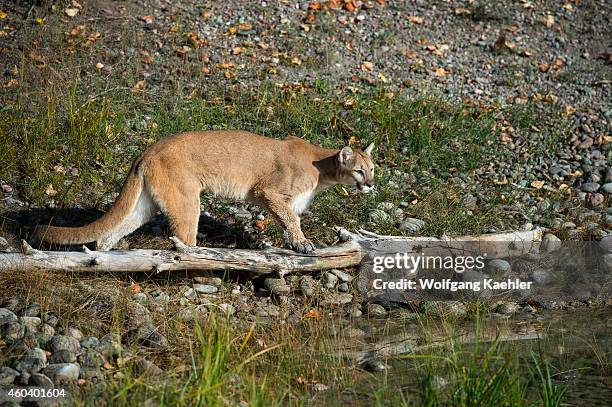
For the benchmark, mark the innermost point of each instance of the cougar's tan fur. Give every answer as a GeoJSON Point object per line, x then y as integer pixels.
{"type": "Point", "coordinates": [281, 175]}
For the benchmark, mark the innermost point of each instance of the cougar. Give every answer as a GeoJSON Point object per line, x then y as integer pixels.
{"type": "Point", "coordinates": [280, 175]}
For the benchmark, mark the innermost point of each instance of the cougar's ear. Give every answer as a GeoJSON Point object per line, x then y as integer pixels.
{"type": "Point", "coordinates": [368, 149]}
{"type": "Point", "coordinates": [345, 155]}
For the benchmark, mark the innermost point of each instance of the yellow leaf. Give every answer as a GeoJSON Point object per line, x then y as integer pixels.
{"type": "Point", "coordinates": [39, 21]}
{"type": "Point", "coordinates": [3, 15]}
{"type": "Point", "coordinates": [296, 61]}
{"type": "Point", "coordinates": [238, 50]}
{"type": "Point", "coordinates": [537, 184]}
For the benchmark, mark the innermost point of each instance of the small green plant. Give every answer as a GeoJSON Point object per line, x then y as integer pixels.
{"type": "Point", "coordinates": [551, 394]}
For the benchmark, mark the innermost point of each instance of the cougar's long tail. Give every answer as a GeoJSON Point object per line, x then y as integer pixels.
{"type": "Point", "coordinates": [95, 231]}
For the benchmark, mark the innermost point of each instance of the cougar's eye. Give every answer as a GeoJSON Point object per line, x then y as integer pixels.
{"type": "Point", "coordinates": [360, 172]}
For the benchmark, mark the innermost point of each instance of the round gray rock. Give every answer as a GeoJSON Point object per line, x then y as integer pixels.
{"type": "Point", "coordinates": [64, 342]}
{"type": "Point", "coordinates": [590, 187]}
{"type": "Point", "coordinates": [62, 373]}
{"type": "Point", "coordinates": [33, 361]}
{"type": "Point", "coordinates": [498, 267]}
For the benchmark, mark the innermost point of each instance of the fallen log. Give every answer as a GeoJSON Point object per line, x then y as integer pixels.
{"type": "Point", "coordinates": [355, 248]}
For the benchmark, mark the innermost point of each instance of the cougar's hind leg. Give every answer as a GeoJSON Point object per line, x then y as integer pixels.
{"type": "Point", "coordinates": [181, 204]}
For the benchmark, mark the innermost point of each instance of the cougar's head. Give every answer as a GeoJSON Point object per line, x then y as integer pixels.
{"type": "Point", "coordinates": [355, 167]}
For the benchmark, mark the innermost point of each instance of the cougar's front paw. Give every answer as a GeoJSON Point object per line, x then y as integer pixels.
{"type": "Point", "coordinates": [305, 246]}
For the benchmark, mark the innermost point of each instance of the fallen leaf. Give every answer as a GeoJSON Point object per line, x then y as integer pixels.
{"type": "Point", "coordinates": [11, 83]}
{"type": "Point", "coordinates": [350, 5]}
{"type": "Point", "coordinates": [195, 39]}
{"type": "Point", "coordinates": [50, 190]}
{"type": "Point", "coordinates": [460, 11]}
{"type": "Point", "coordinates": [71, 12]}
{"type": "Point", "coordinates": [367, 66]}
{"type": "Point", "coordinates": [238, 50]}
{"type": "Point", "coordinates": [548, 20]}
{"type": "Point", "coordinates": [315, 5]}
{"type": "Point", "coordinates": [260, 224]}
{"type": "Point", "coordinates": [3, 15]}
{"type": "Point", "coordinates": [313, 313]}
{"type": "Point", "coordinates": [99, 65]}
{"type": "Point", "coordinates": [296, 61]}
{"type": "Point", "coordinates": [136, 288]}
{"type": "Point", "coordinates": [333, 4]}
{"type": "Point", "coordinates": [39, 21]}
{"type": "Point", "coordinates": [415, 19]}
{"type": "Point", "coordinates": [543, 67]}
{"type": "Point", "coordinates": [310, 18]}
{"type": "Point", "coordinates": [537, 184]}
{"type": "Point", "coordinates": [569, 110]}
{"type": "Point", "coordinates": [139, 86]}
{"type": "Point", "coordinates": [441, 72]}
{"type": "Point", "coordinates": [147, 19]}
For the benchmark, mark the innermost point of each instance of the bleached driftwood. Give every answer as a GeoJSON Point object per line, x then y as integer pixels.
{"type": "Point", "coordinates": [354, 249]}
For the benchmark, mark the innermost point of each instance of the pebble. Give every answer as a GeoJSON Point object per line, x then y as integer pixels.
{"type": "Point", "coordinates": [33, 361]}
{"type": "Point", "coordinates": [276, 286]}
{"type": "Point", "coordinates": [63, 342]}
{"type": "Point", "coordinates": [50, 318]}
{"type": "Point", "coordinates": [386, 206]}
{"type": "Point", "coordinates": [63, 356]}
{"type": "Point", "coordinates": [319, 387]}
{"type": "Point", "coordinates": [74, 332]}
{"type": "Point", "coordinates": [590, 187]}
{"type": "Point", "coordinates": [373, 365]}
{"type": "Point", "coordinates": [550, 243]}
{"type": "Point", "coordinates": [607, 188]}
{"type": "Point", "coordinates": [147, 368]}
{"type": "Point", "coordinates": [31, 323]}
{"type": "Point", "coordinates": [508, 308]}
{"type": "Point", "coordinates": [190, 293]}
{"type": "Point", "coordinates": [596, 199]}
{"type": "Point", "coordinates": [7, 375]}
{"type": "Point", "coordinates": [345, 277]}
{"type": "Point", "coordinates": [32, 310]}
{"type": "Point", "coordinates": [376, 310]}
{"type": "Point", "coordinates": [378, 216]}
{"type": "Point", "coordinates": [62, 373]}
{"type": "Point", "coordinates": [355, 312]}
{"type": "Point", "coordinates": [7, 316]}
{"type": "Point", "coordinates": [498, 267]}
{"type": "Point", "coordinates": [606, 244]}
{"type": "Point", "coordinates": [333, 298]}
{"type": "Point", "coordinates": [329, 280]}
{"type": "Point", "coordinates": [411, 225]}
{"type": "Point", "coordinates": [12, 331]}
{"type": "Point", "coordinates": [40, 380]}
{"type": "Point", "coordinates": [541, 277]}
{"type": "Point", "coordinates": [160, 297]}
{"type": "Point", "coordinates": [214, 281]}
{"type": "Point", "coordinates": [205, 288]}
{"type": "Point", "coordinates": [343, 287]}
{"type": "Point", "coordinates": [307, 286]}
